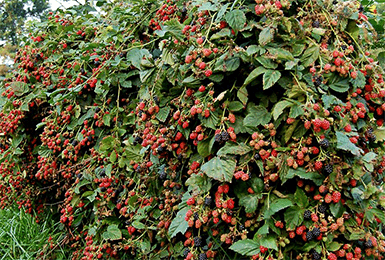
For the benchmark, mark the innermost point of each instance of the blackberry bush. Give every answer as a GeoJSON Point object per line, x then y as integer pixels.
{"type": "Point", "coordinates": [201, 129]}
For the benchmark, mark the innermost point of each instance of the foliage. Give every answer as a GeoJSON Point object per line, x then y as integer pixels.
{"type": "Point", "coordinates": [14, 13]}
{"type": "Point", "coordinates": [22, 237]}
{"type": "Point", "coordinates": [194, 130]}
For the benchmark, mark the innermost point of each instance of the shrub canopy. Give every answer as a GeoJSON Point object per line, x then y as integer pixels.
{"type": "Point", "coordinates": [201, 130]}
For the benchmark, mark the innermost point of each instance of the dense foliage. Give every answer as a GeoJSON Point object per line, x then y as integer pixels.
{"type": "Point", "coordinates": [201, 130]}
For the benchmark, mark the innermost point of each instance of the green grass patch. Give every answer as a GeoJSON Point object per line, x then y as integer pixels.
{"type": "Point", "coordinates": [22, 238]}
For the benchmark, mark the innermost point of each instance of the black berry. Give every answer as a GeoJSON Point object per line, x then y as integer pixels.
{"type": "Point", "coordinates": [197, 241]}
{"type": "Point", "coordinates": [202, 256]}
{"type": "Point", "coordinates": [324, 143]}
{"type": "Point", "coordinates": [316, 232]}
{"type": "Point", "coordinates": [307, 214]}
{"type": "Point", "coordinates": [369, 243]}
{"type": "Point", "coordinates": [328, 169]}
{"type": "Point", "coordinates": [208, 201]}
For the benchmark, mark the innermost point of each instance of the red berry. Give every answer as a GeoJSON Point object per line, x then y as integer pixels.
{"type": "Point", "coordinates": [278, 4]}
{"type": "Point", "coordinates": [208, 73]}
{"type": "Point", "coordinates": [348, 128]}
{"type": "Point", "coordinates": [336, 196]}
{"type": "Point", "coordinates": [332, 256]}
{"type": "Point", "coordinates": [325, 124]}
{"type": "Point", "coordinates": [338, 62]}
{"type": "Point", "coordinates": [202, 65]}
{"type": "Point", "coordinates": [207, 52]}
{"type": "Point", "coordinates": [307, 124]}
{"type": "Point", "coordinates": [202, 88]}
{"type": "Point", "coordinates": [188, 59]}
{"type": "Point", "coordinates": [317, 122]}
{"type": "Point", "coordinates": [318, 165]}
{"type": "Point", "coordinates": [200, 40]}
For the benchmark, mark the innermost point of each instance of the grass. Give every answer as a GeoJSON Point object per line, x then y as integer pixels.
{"type": "Point", "coordinates": [22, 238]}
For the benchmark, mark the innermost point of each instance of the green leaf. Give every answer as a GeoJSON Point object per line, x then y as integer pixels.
{"type": "Point", "coordinates": [234, 148]}
{"type": "Point", "coordinates": [290, 130]}
{"type": "Point", "coordinates": [267, 62]}
{"type": "Point", "coordinates": [218, 169]}
{"type": "Point", "coordinates": [236, 19]}
{"type": "Point", "coordinates": [269, 242]}
{"type": "Point", "coordinates": [381, 58]}
{"type": "Point", "coordinates": [133, 153]}
{"type": "Point", "coordinates": [281, 54]}
{"type": "Point", "coordinates": [204, 148]}
{"type": "Point", "coordinates": [296, 110]}
{"type": "Point", "coordinates": [337, 209]}
{"type": "Point", "coordinates": [225, 32]}
{"type": "Point", "coordinates": [279, 107]}
{"type": "Point", "coordinates": [359, 81]}
{"type": "Point", "coordinates": [270, 78]}
{"type": "Point", "coordinates": [232, 64]}
{"type": "Point", "coordinates": [112, 233]}
{"type": "Point", "coordinates": [253, 75]}
{"type": "Point", "coordinates": [250, 202]}
{"type": "Point", "coordinates": [257, 115]}
{"type": "Point", "coordinates": [333, 246]}
{"type": "Point", "coordinates": [344, 143]}
{"type": "Point", "coordinates": [246, 247]}
{"type": "Point", "coordinates": [301, 172]}
{"type": "Point", "coordinates": [138, 225]}
{"type": "Point", "coordinates": [301, 198]}
{"type": "Point", "coordinates": [178, 224]}
{"type": "Point", "coordinates": [242, 95]}
{"type": "Point", "coordinates": [310, 55]}
{"type": "Point", "coordinates": [340, 86]}
{"type": "Point", "coordinates": [294, 216]}
{"type": "Point", "coordinates": [235, 106]}
{"type": "Point", "coordinates": [163, 113]}
{"type": "Point", "coordinates": [380, 134]}
{"type": "Point", "coordinates": [199, 182]}
{"type": "Point", "coordinates": [369, 157]}
{"type": "Point", "coordinates": [263, 230]}
{"type": "Point", "coordinates": [107, 119]}
{"type": "Point", "coordinates": [276, 206]}
{"type": "Point", "coordinates": [207, 6]}
{"type": "Point", "coordinates": [266, 36]}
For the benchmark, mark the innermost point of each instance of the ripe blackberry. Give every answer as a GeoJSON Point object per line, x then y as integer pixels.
{"type": "Point", "coordinates": [316, 232]}
{"type": "Point", "coordinates": [309, 236]}
{"type": "Point", "coordinates": [369, 243]}
{"type": "Point", "coordinates": [162, 174]}
{"type": "Point", "coordinates": [196, 216]}
{"type": "Point", "coordinates": [328, 169]}
{"type": "Point", "coordinates": [241, 227]}
{"type": "Point", "coordinates": [185, 252]}
{"type": "Point", "coordinates": [160, 149]}
{"type": "Point", "coordinates": [156, 100]}
{"type": "Point", "coordinates": [316, 255]}
{"type": "Point", "coordinates": [197, 241]}
{"type": "Point", "coordinates": [257, 156]}
{"type": "Point", "coordinates": [225, 136]}
{"type": "Point", "coordinates": [324, 143]}
{"type": "Point", "coordinates": [372, 137]}
{"type": "Point", "coordinates": [137, 140]}
{"type": "Point", "coordinates": [307, 214]}
{"type": "Point", "coordinates": [316, 24]}
{"type": "Point", "coordinates": [218, 138]}
{"type": "Point", "coordinates": [322, 208]}
{"type": "Point", "coordinates": [202, 256]}
{"type": "Point", "coordinates": [208, 201]}
{"type": "Point", "coordinates": [318, 81]}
